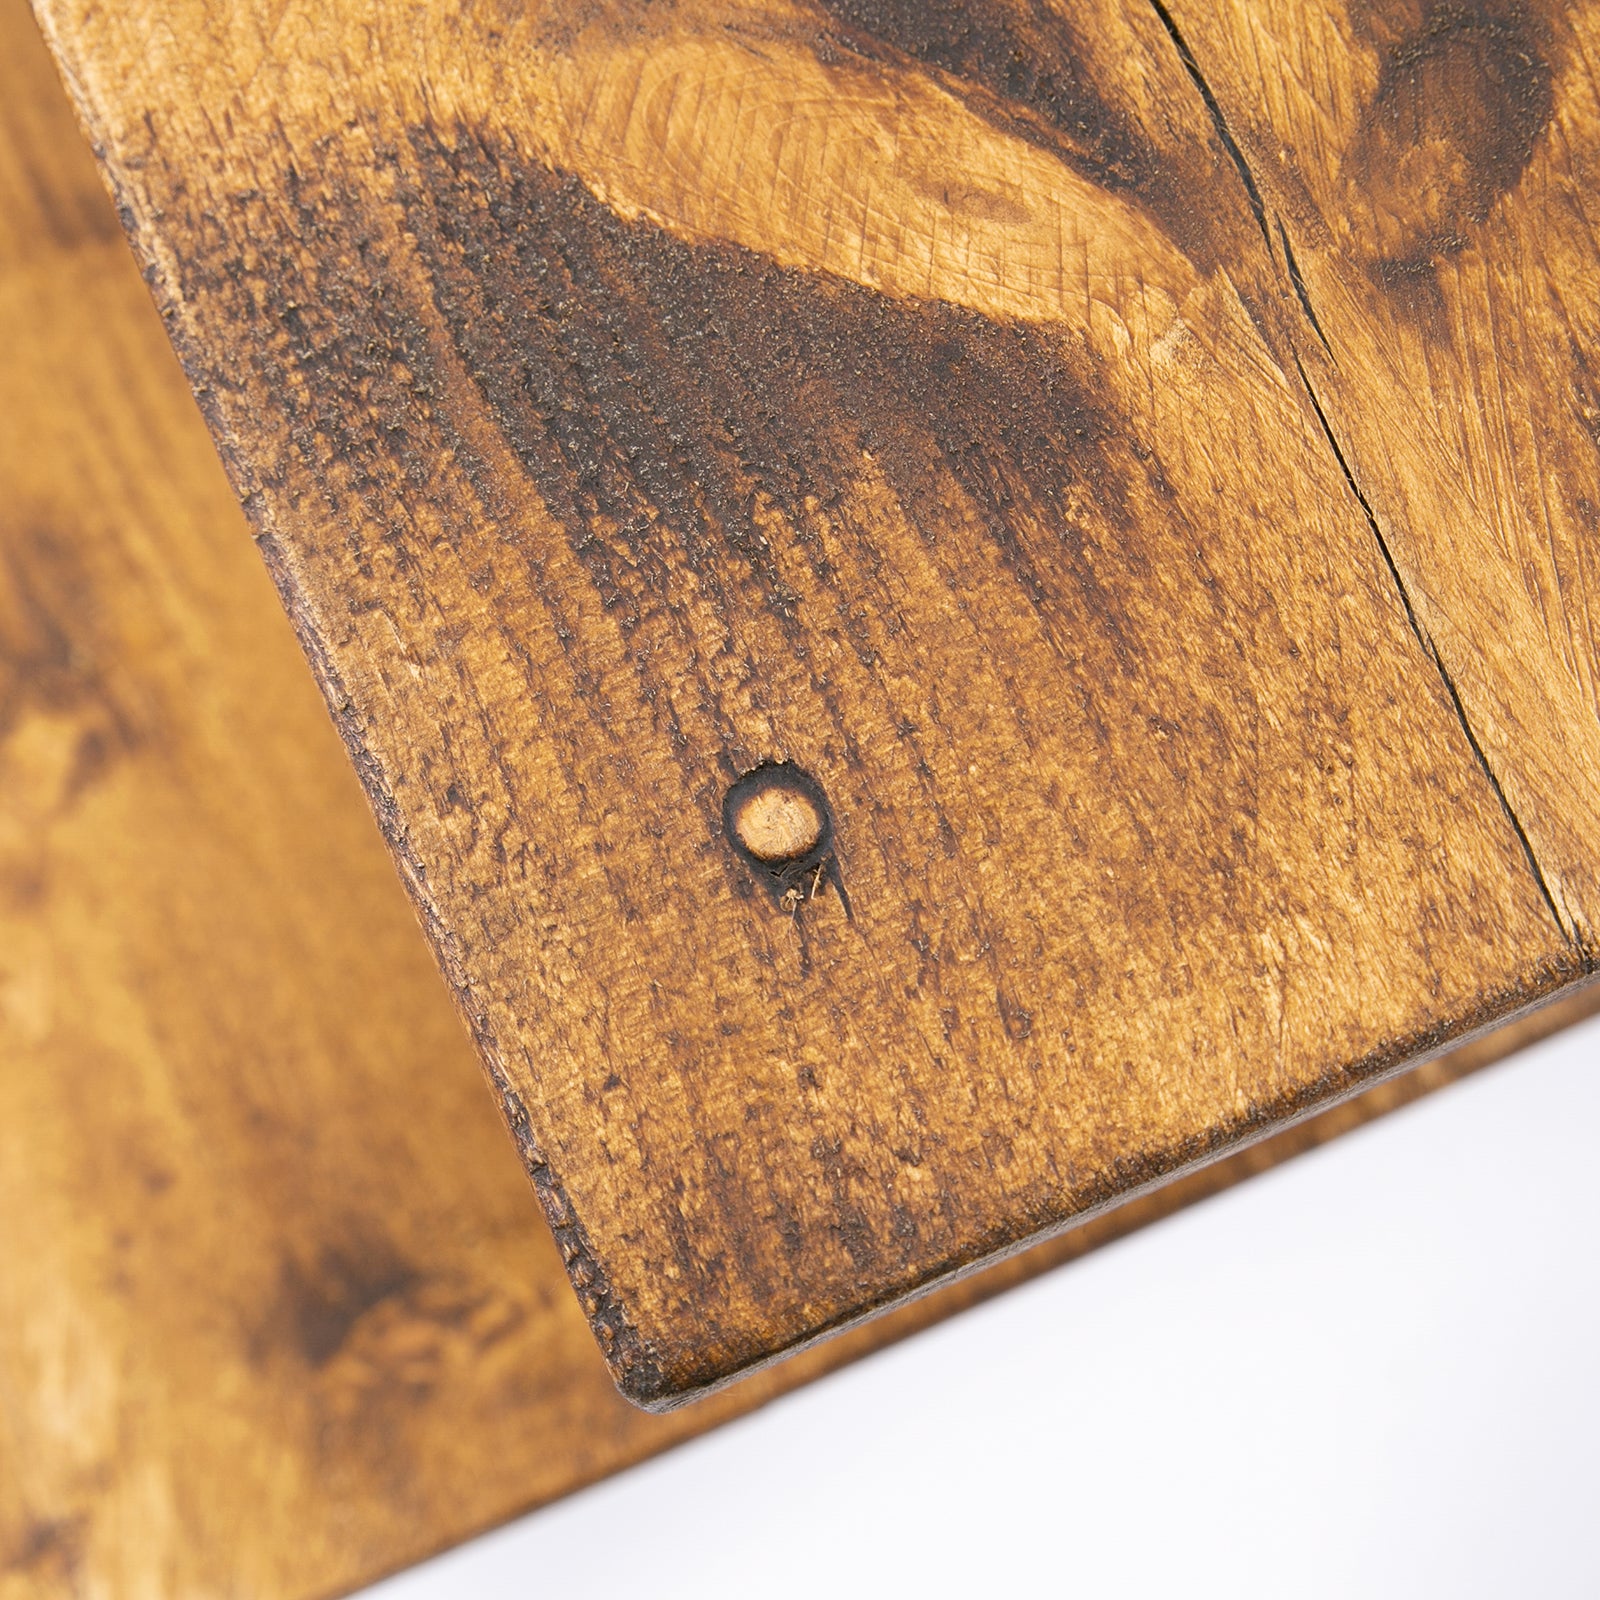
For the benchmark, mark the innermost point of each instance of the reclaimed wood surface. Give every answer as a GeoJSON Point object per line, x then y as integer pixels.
{"type": "Point", "coordinates": [1431, 171]}
{"type": "Point", "coordinates": [276, 1312]}
{"type": "Point", "coordinates": [272, 1317]}
{"type": "Point", "coordinates": [1134, 586]}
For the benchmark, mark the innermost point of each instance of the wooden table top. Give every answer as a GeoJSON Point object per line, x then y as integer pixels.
{"type": "Point", "coordinates": [277, 1311]}
{"type": "Point", "coordinates": [949, 610]}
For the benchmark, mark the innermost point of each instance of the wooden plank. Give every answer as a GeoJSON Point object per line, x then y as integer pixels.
{"type": "Point", "coordinates": [626, 399]}
{"type": "Point", "coordinates": [1432, 170]}
{"type": "Point", "coordinates": [272, 1316]}
{"type": "Point", "coordinates": [266, 1260]}
{"type": "Point", "coordinates": [277, 1313]}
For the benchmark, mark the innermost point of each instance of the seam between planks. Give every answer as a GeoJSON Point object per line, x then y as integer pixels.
{"type": "Point", "coordinates": [1220, 122]}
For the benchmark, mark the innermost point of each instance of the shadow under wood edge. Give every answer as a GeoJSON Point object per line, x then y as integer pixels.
{"type": "Point", "coordinates": [831, 1351]}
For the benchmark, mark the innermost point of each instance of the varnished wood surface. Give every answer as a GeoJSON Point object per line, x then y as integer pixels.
{"type": "Point", "coordinates": [273, 1318]}
{"type": "Point", "coordinates": [625, 398]}
{"type": "Point", "coordinates": [1432, 167]}
{"type": "Point", "coordinates": [276, 1315]}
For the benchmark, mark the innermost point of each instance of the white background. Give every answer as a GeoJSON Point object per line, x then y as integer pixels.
{"type": "Point", "coordinates": [1371, 1372]}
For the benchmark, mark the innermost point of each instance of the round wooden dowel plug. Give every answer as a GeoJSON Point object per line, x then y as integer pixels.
{"type": "Point", "coordinates": [779, 823]}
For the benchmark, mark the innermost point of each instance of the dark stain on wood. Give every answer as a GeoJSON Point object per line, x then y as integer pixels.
{"type": "Point", "coordinates": [53, 654]}
{"type": "Point", "coordinates": [1025, 68]}
{"type": "Point", "coordinates": [668, 399]}
{"type": "Point", "coordinates": [50, 1551]}
{"type": "Point", "coordinates": [321, 1302]}
{"type": "Point", "coordinates": [1462, 99]}
{"type": "Point", "coordinates": [1025, 59]}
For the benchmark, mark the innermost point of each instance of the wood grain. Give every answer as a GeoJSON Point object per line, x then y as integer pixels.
{"type": "Point", "coordinates": [273, 1319]}
{"type": "Point", "coordinates": [1431, 167]}
{"type": "Point", "coordinates": [625, 398]}
{"type": "Point", "coordinates": [266, 1262]}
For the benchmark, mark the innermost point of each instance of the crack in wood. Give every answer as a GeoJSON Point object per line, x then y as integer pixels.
{"type": "Point", "coordinates": [1431, 650]}
{"type": "Point", "coordinates": [1214, 106]}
